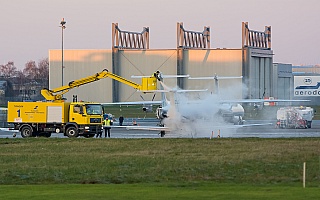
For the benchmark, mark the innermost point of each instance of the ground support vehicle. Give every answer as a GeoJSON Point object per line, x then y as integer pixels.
{"type": "Point", "coordinates": [43, 118]}
{"type": "Point", "coordinates": [294, 117]}
{"type": "Point", "coordinates": [307, 113]}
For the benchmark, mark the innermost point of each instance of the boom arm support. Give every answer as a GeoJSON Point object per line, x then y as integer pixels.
{"type": "Point", "coordinates": [56, 94]}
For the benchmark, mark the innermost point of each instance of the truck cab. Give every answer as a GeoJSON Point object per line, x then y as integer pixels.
{"type": "Point", "coordinates": [87, 117]}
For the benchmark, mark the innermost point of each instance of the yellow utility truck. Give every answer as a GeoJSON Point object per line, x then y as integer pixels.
{"type": "Point", "coordinates": [71, 118]}
{"type": "Point", "coordinates": [43, 118]}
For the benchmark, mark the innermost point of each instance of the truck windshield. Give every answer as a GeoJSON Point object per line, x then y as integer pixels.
{"type": "Point", "coordinates": [94, 109]}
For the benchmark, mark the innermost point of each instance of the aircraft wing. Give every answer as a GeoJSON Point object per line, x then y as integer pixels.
{"type": "Point", "coordinates": [173, 131]}
{"type": "Point", "coordinates": [133, 103]}
{"type": "Point", "coordinates": [124, 127]}
{"type": "Point", "coordinates": [216, 77]}
{"type": "Point", "coordinates": [148, 128]}
{"type": "Point", "coordinates": [285, 100]}
{"type": "Point", "coordinates": [249, 125]}
{"type": "Point", "coordinates": [164, 76]}
{"type": "Point", "coordinates": [161, 128]}
{"type": "Point", "coordinates": [260, 100]}
{"type": "Point", "coordinates": [144, 128]}
{"type": "Point", "coordinates": [8, 129]}
{"type": "Point", "coordinates": [181, 91]}
{"type": "Point", "coordinates": [232, 126]}
{"type": "Point", "coordinates": [175, 91]}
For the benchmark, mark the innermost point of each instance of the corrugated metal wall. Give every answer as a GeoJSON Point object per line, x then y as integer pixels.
{"type": "Point", "coordinates": [282, 81]}
{"type": "Point", "coordinates": [258, 72]}
{"type": "Point", "coordinates": [220, 62]}
{"type": "Point", "coordinates": [145, 62]}
{"type": "Point", "coordinates": [79, 64]}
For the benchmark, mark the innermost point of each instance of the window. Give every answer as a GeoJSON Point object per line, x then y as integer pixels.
{"type": "Point", "coordinates": [76, 109]}
{"type": "Point", "coordinates": [94, 109]}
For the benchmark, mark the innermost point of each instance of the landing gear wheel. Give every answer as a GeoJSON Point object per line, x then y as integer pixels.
{"type": "Point", "coordinates": [162, 133]}
{"type": "Point", "coordinates": [308, 124]}
{"type": "Point", "coordinates": [26, 132]}
{"type": "Point", "coordinates": [72, 132]}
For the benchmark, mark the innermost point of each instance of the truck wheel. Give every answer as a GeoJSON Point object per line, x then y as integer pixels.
{"type": "Point", "coordinates": [72, 132]}
{"type": "Point", "coordinates": [26, 132]}
{"type": "Point", "coordinates": [309, 124]}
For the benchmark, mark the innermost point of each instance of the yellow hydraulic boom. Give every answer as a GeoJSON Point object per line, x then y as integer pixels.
{"type": "Point", "coordinates": [148, 83]}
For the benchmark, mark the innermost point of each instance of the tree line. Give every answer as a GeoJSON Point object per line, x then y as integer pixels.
{"type": "Point", "coordinates": [31, 70]}
{"type": "Point", "coordinates": [27, 82]}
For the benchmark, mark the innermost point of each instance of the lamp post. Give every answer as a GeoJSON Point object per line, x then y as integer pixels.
{"type": "Point", "coordinates": [62, 28]}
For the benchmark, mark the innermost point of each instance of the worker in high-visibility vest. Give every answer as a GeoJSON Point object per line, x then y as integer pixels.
{"type": "Point", "coordinates": [107, 127]}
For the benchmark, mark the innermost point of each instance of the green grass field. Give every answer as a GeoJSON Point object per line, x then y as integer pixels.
{"type": "Point", "coordinates": [224, 168]}
{"type": "Point", "coordinates": [156, 191]}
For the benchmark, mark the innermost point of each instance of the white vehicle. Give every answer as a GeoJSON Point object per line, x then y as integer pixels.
{"type": "Point", "coordinates": [307, 113]}
{"type": "Point", "coordinates": [294, 117]}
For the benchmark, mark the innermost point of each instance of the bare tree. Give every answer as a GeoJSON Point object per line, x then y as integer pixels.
{"type": "Point", "coordinates": [31, 70]}
{"type": "Point", "coordinates": [37, 77]}
{"type": "Point", "coordinates": [43, 69]}
{"type": "Point", "coordinates": [8, 70]}
{"type": "Point", "coordinates": [20, 77]}
{"type": "Point", "coordinates": [20, 74]}
{"type": "Point", "coordinates": [25, 84]}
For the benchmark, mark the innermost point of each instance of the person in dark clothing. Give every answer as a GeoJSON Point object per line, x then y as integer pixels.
{"type": "Point", "coordinates": [99, 134]}
{"type": "Point", "coordinates": [157, 75]}
{"type": "Point", "coordinates": [121, 120]}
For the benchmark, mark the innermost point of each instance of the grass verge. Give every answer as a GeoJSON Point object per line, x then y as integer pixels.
{"type": "Point", "coordinates": [178, 167]}
{"type": "Point", "coordinates": [156, 191]}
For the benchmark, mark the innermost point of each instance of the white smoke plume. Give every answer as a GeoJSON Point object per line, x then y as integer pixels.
{"type": "Point", "coordinates": [196, 114]}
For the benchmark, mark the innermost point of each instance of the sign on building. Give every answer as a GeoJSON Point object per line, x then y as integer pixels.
{"type": "Point", "coordinates": [307, 86]}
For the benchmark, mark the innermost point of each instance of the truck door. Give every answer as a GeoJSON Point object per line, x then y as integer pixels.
{"type": "Point", "coordinates": [77, 114]}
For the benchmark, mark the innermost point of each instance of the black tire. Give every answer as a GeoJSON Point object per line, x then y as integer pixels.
{"type": "Point", "coordinates": [309, 124]}
{"type": "Point", "coordinates": [26, 131]}
{"type": "Point", "coordinates": [72, 132]}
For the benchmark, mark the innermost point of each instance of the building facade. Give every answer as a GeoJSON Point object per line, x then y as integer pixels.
{"type": "Point", "coordinates": [130, 55]}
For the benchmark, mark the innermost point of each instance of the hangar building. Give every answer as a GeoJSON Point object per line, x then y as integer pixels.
{"type": "Point", "coordinates": [131, 55]}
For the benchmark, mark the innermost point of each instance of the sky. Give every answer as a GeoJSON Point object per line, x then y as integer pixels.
{"type": "Point", "coordinates": [30, 28]}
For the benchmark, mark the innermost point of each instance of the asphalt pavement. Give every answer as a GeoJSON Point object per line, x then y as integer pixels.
{"type": "Point", "coordinates": [265, 131]}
